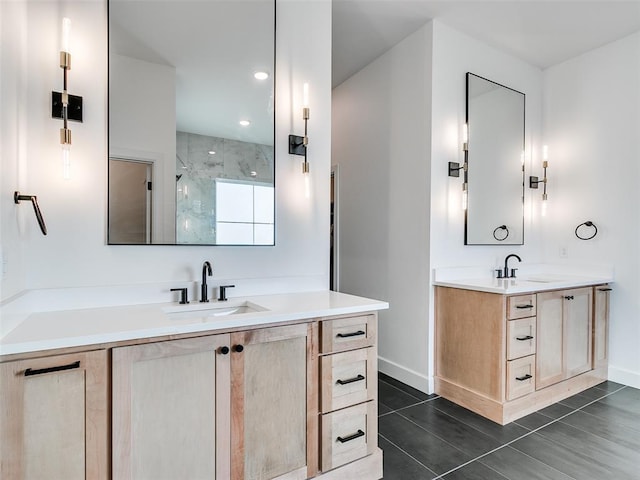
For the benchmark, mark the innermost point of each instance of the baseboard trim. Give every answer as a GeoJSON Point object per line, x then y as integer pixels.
{"type": "Point", "coordinates": [624, 376]}
{"type": "Point", "coordinates": [406, 375]}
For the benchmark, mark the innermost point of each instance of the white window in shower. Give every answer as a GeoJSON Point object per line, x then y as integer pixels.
{"type": "Point", "coordinates": [244, 213]}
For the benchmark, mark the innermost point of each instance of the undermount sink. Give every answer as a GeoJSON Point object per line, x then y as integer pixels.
{"type": "Point", "coordinates": [549, 278]}
{"type": "Point", "coordinates": [213, 309]}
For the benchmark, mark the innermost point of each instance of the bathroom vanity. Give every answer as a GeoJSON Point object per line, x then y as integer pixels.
{"type": "Point", "coordinates": [506, 348]}
{"type": "Point", "coordinates": [278, 386]}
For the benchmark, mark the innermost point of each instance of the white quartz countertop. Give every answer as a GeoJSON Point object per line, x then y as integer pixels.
{"type": "Point", "coordinates": [526, 284]}
{"type": "Point", "coordinates": [91, 326]}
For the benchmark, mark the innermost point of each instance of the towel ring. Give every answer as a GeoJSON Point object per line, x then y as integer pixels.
{"type": "Point", "coordinates": [501, 227]}
{"type": "Point", "coordinates": [588, 223]}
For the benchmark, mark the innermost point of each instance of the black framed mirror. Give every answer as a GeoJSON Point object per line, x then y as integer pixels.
{"type": "Point", "coordinates": [496, 144]}
{"type": "Point", "coordinates": [191, 122]}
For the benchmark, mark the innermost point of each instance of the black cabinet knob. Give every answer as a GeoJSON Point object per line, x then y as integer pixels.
{"type": "Point", "coordinates": [223, 350]}
{"type": "Point", "coordinates": [238, 348]}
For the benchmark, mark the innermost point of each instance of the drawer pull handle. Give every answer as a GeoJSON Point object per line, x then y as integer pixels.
{"type": "Point", "coordinates": [605, 289]}
{"type": "Point", "coordinates": [524, 377]}
{"type": "Point", "coordinates": [350, 380]}
{"type": "Point", "coordinates": [522, 339]}
{"type": "Point", "coordinates": [359, 434]}
{"type": "Point", "coordinates": [352, 334]}
{"type": "Point", "coordinates": [522, 307]}
{"type": "Point", "coordinates": [29, 372]}
{"type": "Point", "coordinates": [568, 297]}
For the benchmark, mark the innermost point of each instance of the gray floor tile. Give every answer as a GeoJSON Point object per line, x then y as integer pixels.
{"type": "Point", "coordinates": [619, 434]}
{"type": "Point", "coordinates": [501, 433]}
{"type": "Point", "coordinates": [383, 409]}
{"type": "Point", "coordinates": [583, 398]}
{"type": "Point", "coordinates": [615, 415]}
{"type": "Point", "coordinates": [561, 458]}
{"type": "Point", "coordinates": [533, 421]}
{"type": "Point", "coordinates": [556, 410]}
{"type": "Point", "coordinates": [474, 471]}
{"type": "Point", "coordinates": [463, 436]}
{"type": "Point", "coordinates": [621, 461]}
{"type": "Point", "coordinates": [627, 399]}
{"type": "Point", "coordinates": [393, 397]}
{"type": "Point", "coordinates": [516, 465]}
{"type": "Point", "coordinates": [405, 388]}
{"type": "Point", "coordinates": [400, 466]}
{"type": "Point", "coordinates": [431, 451]}
{"type": "Point", "coordinates": [609, 386]}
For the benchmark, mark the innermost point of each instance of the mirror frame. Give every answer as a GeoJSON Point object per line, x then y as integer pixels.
{"type": "Point", "coordinates": [117, 154]}
{"type": "Point", "coordinates": [521, 181]}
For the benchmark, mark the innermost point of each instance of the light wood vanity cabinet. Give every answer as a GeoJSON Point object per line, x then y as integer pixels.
{"type": "Point", "coordinates": [507, 356]}
{"type": "Point", "coordinates": [348, 402]}
{"type": "Point", "coordinates": [564, 344]}
{"type": "Point", "coordinates": [54, 417]}
{"type": "Point", "coordinates": [220, 406]}
{"type": "Point", "coordinates": [287, 402]}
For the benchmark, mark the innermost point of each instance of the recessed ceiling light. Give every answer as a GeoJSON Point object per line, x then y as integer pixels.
{"type": "Point", "coordinates": [245, 123]}
{"type": "Point", "coordinates": [211, 152]}
{"type": "Point", "coordinates": [261, 75]}
{"type": "Point", "coordinates": [254, 174]}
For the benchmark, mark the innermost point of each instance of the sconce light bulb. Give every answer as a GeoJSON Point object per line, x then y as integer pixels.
{"type": "Point", "coordinates": [66, 33]}
{"type": "Point", "coordinates": [307, 186]}
{"type": "Point", "coordinates": [465, 133]}
{"type": "Point", "coordinates": [545, 152]}
{"type": "Point", "coordinates": [305, 95]}
{"type": "Point", "coordinates": [66, 161]}
{"type": "Point", "coordinates": [465, 197]}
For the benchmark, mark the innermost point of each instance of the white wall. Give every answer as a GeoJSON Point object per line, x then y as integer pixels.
{"type": "Point", "coordinates": [381, 133]}
{"type": "Point", "coordinates": [592, 125]}
{"type": "Point", "coordinates": [396, 125]}
{"type": "Point", "coordinates": [74, 253]}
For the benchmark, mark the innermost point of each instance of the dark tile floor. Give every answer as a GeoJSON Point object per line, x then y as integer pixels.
{"type": "Point", "coordinates": [592, 435]}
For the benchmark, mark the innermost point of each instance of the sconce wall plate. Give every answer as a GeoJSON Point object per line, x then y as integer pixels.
{"type": "Point", "coordinates": [533, 182]}
{"type": "Point", "coordinates": [296, 145]}
{"type": "Point", "coordinates": [454, 169]}
{"type": "Point", "coordinates": [74, 109]}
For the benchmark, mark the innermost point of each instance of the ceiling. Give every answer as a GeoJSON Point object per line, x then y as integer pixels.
{"type": "Point", "coordinates": [540, 32]}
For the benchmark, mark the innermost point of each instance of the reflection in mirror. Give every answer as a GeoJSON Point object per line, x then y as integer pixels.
{"type": "Point", "coordinates": [191, 124]}
{"type": "Point", "coordinates": [495, 119]}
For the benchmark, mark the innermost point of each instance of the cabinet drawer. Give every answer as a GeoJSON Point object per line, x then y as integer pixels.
{"type": "Point", "coordinates": [521, 306]}
{"type": "Point", "coordinates": [348, 434]}
{"type": "Point", "coordinates": [521, 337]}
{"type": "Point", "coordinates": [521, 376]}
{"type": "Point", "coordinates": [348, 378]}
{"type": "Point", "coordinates": [347, 333]}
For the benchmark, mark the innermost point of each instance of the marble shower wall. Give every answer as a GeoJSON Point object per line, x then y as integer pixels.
{"type": "Point", "coordinates": [196, 171]}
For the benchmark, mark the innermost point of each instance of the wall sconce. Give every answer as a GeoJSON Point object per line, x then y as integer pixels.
{"type": "Point", "coordinates": [534, 181]}
{"type": "Point", "coordinates": [298, 145]}
{"type": "Point", "coordinates": [65, 106]}
{"type": "Point", "coordinates": [454, 167]}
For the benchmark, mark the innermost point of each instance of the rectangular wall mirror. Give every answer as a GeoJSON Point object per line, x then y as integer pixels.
{"type": "Point", "coordinates": [495, 121]}
{"type": "Point", "coordinates": [191, 122]}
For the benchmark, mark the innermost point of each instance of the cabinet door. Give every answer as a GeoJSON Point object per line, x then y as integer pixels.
{"type": "Point", "coordinates": [549, 344]}
{"type": "Point", "coordinates": [272, 409]}
{"type": "Point", "coordinates": [53, 417]}
{"type": "Point", "coordinates": [601, 326]}
{"type": "Point", "coordinates": [171, 403]}
{"type": "Point", "coordinates": [577, 330]}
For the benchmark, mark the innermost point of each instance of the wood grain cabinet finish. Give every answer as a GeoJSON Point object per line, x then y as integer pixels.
{"type": "Point", "coordinates": [171, 403]}
{"type": "Point", "coordinates": [564, 332]}
{"type": "Point", "coordinates": [507, 356]}
{"type": "Point", "coordinates": [229, 406]}
{"type": "Point", "coordinates": [54, 417]}
{"type": "Point", "coordinates": [348, 391]}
